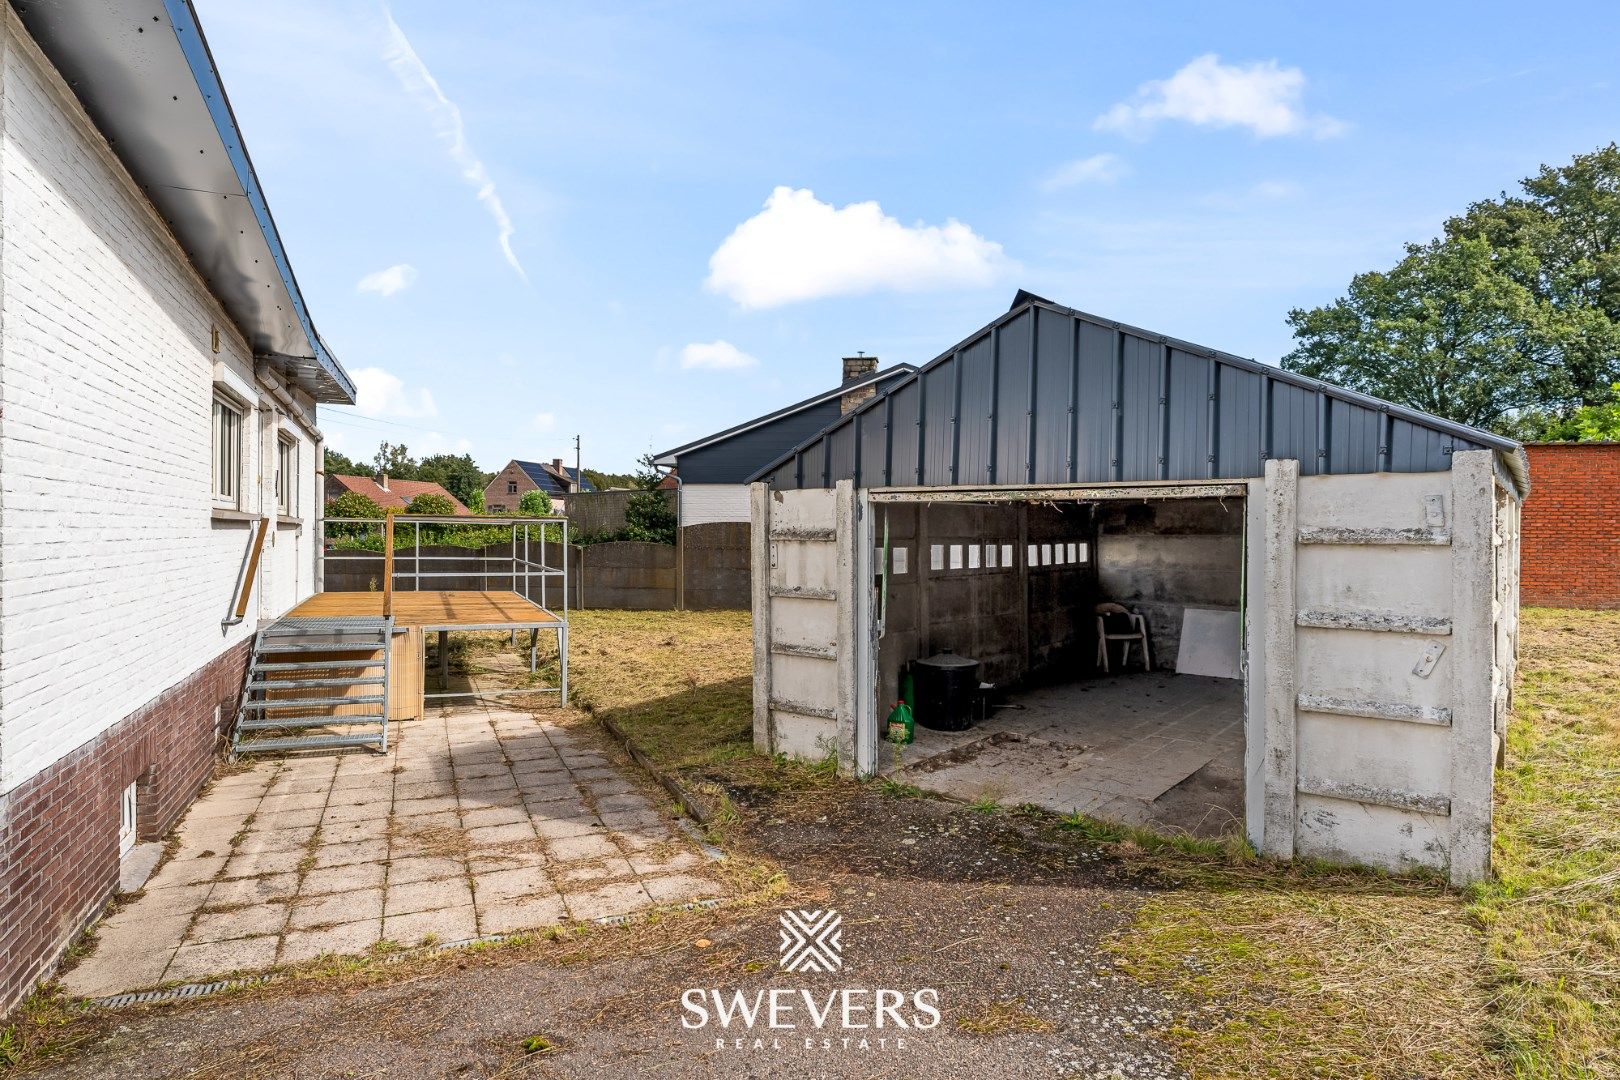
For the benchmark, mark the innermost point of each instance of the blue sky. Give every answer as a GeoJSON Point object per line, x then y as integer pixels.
{"type": "Point", "coordinates": [517, 222]}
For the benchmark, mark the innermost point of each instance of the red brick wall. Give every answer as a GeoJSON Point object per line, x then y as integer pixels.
{"type": "Point", "coordinates": [59, 830]}
{"type": "Point", "coordinates": [1571, 526]}
{"type": "Point", "coordinates": [496, 495]}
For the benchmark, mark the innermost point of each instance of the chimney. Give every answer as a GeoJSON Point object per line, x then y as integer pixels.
{"type": "Point", "coordinates": [856, 367]}
{"type": "Point", "coordinates": [382, 480]}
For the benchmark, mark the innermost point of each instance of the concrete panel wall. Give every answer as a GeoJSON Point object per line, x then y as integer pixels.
{"type": "Point", "coordinates": [1159, 558]}
{"type": "Point", "coordinates": [714, 566]}
{"type": "Point", "coordinates": [1387, 605]}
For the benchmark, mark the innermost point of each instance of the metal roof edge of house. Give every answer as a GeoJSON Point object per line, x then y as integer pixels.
{"type": "Point", "coordinates": [1511, 454]}
{"type": "Point", "coordinates": [126, 77]}
{"type": "Point", "coordinates": [892, 371]}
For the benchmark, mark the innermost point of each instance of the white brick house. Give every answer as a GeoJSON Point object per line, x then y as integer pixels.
{"type": "Point", "coordinates": [158, 382]}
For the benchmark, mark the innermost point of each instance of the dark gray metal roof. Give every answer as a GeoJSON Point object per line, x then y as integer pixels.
{"type": "Point", "coordinates": [733, 455]}
{"type": "Point", "coordinates": [143, 72]}
{"type": "Point", "coordinates": [1050, 395]}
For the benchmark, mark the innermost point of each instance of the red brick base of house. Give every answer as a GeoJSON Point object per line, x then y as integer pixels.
{"type": "Point", "coordinates": [1570, 526]}
{"type": "Point", "coordinates": [59, 829]}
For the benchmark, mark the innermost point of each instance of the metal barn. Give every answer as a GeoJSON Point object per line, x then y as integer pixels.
{"type": "Point", "coordinates": [1200, 592]}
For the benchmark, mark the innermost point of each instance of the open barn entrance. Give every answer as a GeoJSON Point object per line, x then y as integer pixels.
{"type": "Point", "coordinates": [1107, 636]}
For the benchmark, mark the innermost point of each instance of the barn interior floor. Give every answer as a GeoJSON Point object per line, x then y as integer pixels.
{"type": "Point", "coordinates": [1141, 749]}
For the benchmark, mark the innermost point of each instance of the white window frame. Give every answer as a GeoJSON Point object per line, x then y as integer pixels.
{"type": "Point", "coordinates": [286, 475]}
{"type": "Point", "coordinates": [227, 466]}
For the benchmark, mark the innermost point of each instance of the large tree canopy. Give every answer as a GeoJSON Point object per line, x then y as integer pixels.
{"type": "Point", "coordinates": [1509, 321]}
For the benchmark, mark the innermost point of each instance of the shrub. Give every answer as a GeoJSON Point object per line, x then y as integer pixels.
{"type": "Point", "coordinates": [535, 503]}
{"type": "Point", "coordinates": [431, 504]}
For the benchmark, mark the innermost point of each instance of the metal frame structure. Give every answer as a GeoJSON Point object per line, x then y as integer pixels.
{"type": "Point", "coordinates": [525, 567]}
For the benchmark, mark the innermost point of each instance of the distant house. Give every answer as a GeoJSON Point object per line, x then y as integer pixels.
{"type": "Point", "coordinates": [714, 470]}
{"type": "Point", "coordinates": [521, 477]}
{"type": "Point", "coordinates": [389, 494]}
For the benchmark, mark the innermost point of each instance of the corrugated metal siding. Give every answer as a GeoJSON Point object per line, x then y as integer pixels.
{"type": "Point", "coordinates": [1046, 395]}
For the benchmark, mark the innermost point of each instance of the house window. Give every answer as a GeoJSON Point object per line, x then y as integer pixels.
{"type": "Point", "coordinates": [227, 453]}
{"type": "Point", "coordinates": [287, 476]}
{"type": "Point", "coordinates": [511, 487]}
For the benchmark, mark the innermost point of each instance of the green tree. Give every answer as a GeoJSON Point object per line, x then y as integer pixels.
{"type": "Point", "coordinates": [1510, 320]}
{"type": "Point", "coordinates": [476, 502]}
{"type": "Point", "coordinates": [458, 473]}
{"type": "Point", "coordinates": [337, 464]}
{"type": "Point", "coordinates": [649, 514]}
{"type": "Point", "coordinates": [431, 504]}
{"type": "Point", "coordinates": [1590, 423]}
{"type": "Point", "coordinates": [395, 461]}
{"type": "Point", "coordinates": [352, 504]}
{"type": "Point", "coordinates": [535, 503]}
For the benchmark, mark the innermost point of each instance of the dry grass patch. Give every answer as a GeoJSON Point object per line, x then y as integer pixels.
{"type": "Point", "coordinates": [1303, 971]}
{"type": "Point", "coordinates": [1552, 917]}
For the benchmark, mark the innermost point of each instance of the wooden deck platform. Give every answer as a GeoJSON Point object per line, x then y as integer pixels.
{"type": "Point", "coordinates": [434, 610]}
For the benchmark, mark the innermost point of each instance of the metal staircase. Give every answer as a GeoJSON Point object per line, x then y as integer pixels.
{"type": "Point", "coordinates": [316, 684]}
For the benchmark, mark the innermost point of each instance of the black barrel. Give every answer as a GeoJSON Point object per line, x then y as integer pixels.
{"type": "Point", "coordinates": [945, 686]}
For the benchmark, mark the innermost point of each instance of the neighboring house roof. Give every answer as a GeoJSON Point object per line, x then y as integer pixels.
{"type": "Point", "coordinates": [143, 72]}
{"type": "Point", "coordinates": [552, 480]}
{"type": "Point", "coordinates": [732, 455]}
{"type": "Point", "coordinates": [399, 493]}
{"type": "Point", "coordinates": [1050, 395]}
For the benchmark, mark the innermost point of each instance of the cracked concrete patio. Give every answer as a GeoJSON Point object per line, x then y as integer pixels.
{"type": "Point", "coordinates": [477, 821]}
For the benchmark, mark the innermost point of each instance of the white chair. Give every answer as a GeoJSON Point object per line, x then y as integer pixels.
{"type": "Point", "coordinates": [1136, 633]}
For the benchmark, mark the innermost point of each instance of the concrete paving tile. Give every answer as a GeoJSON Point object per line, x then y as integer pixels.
{"type": "Point", "coordinates": [250, 920]}
{"type": "Point", "coordinates": [443, 925]}
{"type": "Point", "coordinates": [414, 807]}
{"type": "Point", "coordinates": [335, 879]}
{"type": "Point", "coordinates": [194, 963]}
{"type": "Point", "coordinates": [128, 969]}
{"type": "Point", "coordinates": [377, 808]}
{"type": "Point", "coordinates": [346, 939]}
{"type": "Point", "coordinates": [521, 913]}
{"type": "Point", "coordinates": [680, 888]}
{"type": "Point", "coordinates": [179, 872]}
{"type": "Point", "coordinates": [605, 901]}
{"type": "Point", "coordinates": [482, 816]}
{"type": "Point", "coordinates": [649, 820]}
{"type": "Point", "coordinates": [275, 840]}
{"type": "Point", "coordinates": [335, 909]}
{"type": "Point", "coordinates": [491, 835]}
{"type": "Point", "coordinates": [577, 822]}
{"type": "Point", "coordinates": [347, 832]}
{"type": "Point", "coordinates": [644, 838]}
{"type": "Point", "coordinates": [668, 860]}
{"type": "Point", "coordinates": [271, 804]}
{"type": "Point", "coordinates": [485, 789]}
{"type": "Point", "coordinates": [238, 808]}
{"type": "Point", "coordinates": [402, 899]}
{"type": "Point", "coordinates": [285, 819]}
{"type": "Point", "coordinates": [511, 858]}
{"type": "Point", "coordinates": [358, 852]}
{"type": "Point", "coordinates": [407, 826]}
{"type": "Point", "coordinates": [577, 848]}
{"type": "Point", "coordinates": [573, 875]}
{"type": "Point", "coordinates": [494, 766]}
{"type": "Point", "coordinates": [496, 885]}
{"type": "Point", "coordinates": [254, 890]}
{"type": "Point", "coordinates": [403, 870]}
{"type": "Point", "coordinates": [263, 862]}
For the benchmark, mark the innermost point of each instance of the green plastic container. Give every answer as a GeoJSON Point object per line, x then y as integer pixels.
{"type": "Point", "coordinates": [902, 727]}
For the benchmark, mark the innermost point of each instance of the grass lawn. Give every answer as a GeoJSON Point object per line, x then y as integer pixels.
{"type": "Point", "coordinates": [1301, 970]}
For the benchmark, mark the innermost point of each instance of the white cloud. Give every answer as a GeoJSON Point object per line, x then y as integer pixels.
{"type": "Point", "coordinates": [381, 393]}
{"type": "Point", "coordinates": [799, 248]}
{"type": "Point", "coordinates": [1273, 190]}
{"type": "Point", "coordinates": [716, 356]}
{"type": "Point", "coordinates": [396, 278]}
{"type": "Point", "coordinates": [1096, 169]}
{"type": "Point", "coordinates": [419, 82]}
{"type": "Point", "coordinates": [1262, 96]}
{"type": "Point", "coordinates": [545, 421]}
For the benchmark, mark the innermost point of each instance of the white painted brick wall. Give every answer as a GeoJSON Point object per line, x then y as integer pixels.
{"type": "Point", "coordinates": [113, 574]}
{"type": "Point", "coordinates": [705, 503]}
